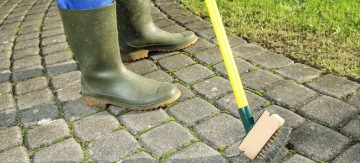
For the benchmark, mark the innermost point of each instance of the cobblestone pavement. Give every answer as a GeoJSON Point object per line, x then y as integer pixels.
{"type": "Point", "coordinates": [41, 119]}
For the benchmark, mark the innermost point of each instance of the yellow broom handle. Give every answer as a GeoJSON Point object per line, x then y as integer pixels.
{"type": "Point", "coordinates": [226, 52]}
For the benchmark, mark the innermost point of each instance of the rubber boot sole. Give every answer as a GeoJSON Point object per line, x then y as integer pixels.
{"type": "Point", "coordinates": [142, 54]}
{"type": "Point", "coordinates": [103, 103]}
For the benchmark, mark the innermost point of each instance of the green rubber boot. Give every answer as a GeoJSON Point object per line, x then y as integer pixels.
{"type": "Point", "coordinates": [138, 34]}
{"type": "Point", "coordinates": [93, 38]}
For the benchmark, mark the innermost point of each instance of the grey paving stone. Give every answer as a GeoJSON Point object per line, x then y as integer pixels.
{"type": "Point", "coordinates": [248, 50]}
{"type": "Point", "coordinates": [57, 57]}
{"type": "Point", "coordinates": [197, 153]}
{"type": "Point", "coordinates": [220, 131]}
{"type": "Point", "coordinates": [166, 138]}
{"type": "Point", "coordinates": [242, 66]}
{"type": "Point", "coordinates": [65, 151]}
{"type": "Point", "coordinates": [69, 92]}
{"type": "Point", "coordinates": [7, 118]}
{"type": "Point", "coordinates": [233, 149]}
{"type": "Point", "coordinates": [186, 93]}
{"type": "Point", "coordinates": [53, 25]}
{"type": "Point", "coordinates": [74, 110]}
{"type": "Point", "coordinates": [290, 95]}
{"type": "Point", "coordinates": [27, 73]}
{"type": "Point", "coordinates": [4, 75]}
{"type": "Point", "coordinates": [6, 102]}
{"type": "Point", "coordinates": [185, 19]}
{"type": "Point", "coordinates": [213, 88]}
{"type": "Point", "coordinates": [175, 62]}
{"type": "Point", "coordinates": [291, 119]}
{"type": "Point", "coordinates": [10, 137]}
{"type": "Point", "coordinates": [355, 100]}
{"type": "Point", "coordinates": [62, 67]}
{"type": "Point", "coordinates": [53, 40]}
{"type": "Point", "coordinates": [209, 56]}
{"type": "Point", "coordinates": [313, 141]}
{"type": "Point", "coordinates": [39, 114]}
{"type": "Point", "coordinates": [26, 43]}
{"type": "Point", "coordinates": [228, 103]}
{"type": "Point", "coordinates": [155, 56]}
{"type": "Point", "coordinates": [54, 48]}
{"type": "Point", "coordinates": [5, 55]}
{"type": "Point", "coordinates": [28, 36]}
{"type": "Point", "coordinates": [46, 134]}
{"type": "Point", "coordinates": [31, 85]}
{"type": "Point", "coordinates": [174, 29]}
{"type": "Point", "coordinates": [141, 67]}
{"type": "Point", "coordinates": [351, 155]}
{"type": "Point", "coordinates": [140, 121]}
{"type": "Point", "coordinates": [29, 100]}
{"type": "Point", "coordinates": [94, 126]}
{"type": "Point", "coordinates": [159, 76]}
{"type": "Point", "coordinates": [233, 40]}
{"type": "Point", "coordinates": [5, 64]}
{"type": "Point", "coordinates": [298, 158]}
{"type": "Point", "coordinates": [18, 155]}
{"type": "Point", "coordinates": [113, 147]}
{"type": "Point", "coordinates": [334, 86]}
{"type": "Point", "coordinates": [52, 32]}
{"type": "Point", "coordinates": [198, 25]}
{"type": "Point", "coordinates": [352, 128]}
{"type": "Point", "coordinates": [115, 110]}
{"type": "Point", "coordinates": [27, 62]}
{"type": "Point", "coordinates": [61, 80]}
{"type": "Point", "coordinates": [199, 46]}
{"type": "Point", "coordinates": [207, 33]}
{"type": "Point", "coordinates": [26, 52]}
{"type": "Point", "coordinates": [299, 72]}
{"type": "Point", "coordinates": [141, 157]}
{"type": "Point", "coordinates": [192, 111]}
{"type": "Point", "coordinates": [193, 73]}
{"type": "Point", "coordinates": [328, 110]}
{"type": "Point", "coordinates": [29, 27]}
{"type": "Point", "coordinates": [260, 80]}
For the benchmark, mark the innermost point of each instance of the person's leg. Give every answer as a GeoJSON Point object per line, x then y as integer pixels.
{"type": "Point", "coordinates": [93, 38]}
{"type": "Point", "coordinates": [138, 34]}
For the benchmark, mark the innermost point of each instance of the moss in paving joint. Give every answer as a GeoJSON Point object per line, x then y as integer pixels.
{"type": "Point", "coordinates": [121, 127]}
{"type": "Point", "coordinates": [170, 119]}
{"type": "Point", "coordinates": [221, 149]}
{"type": "Point", "coordinates": [86, 153]}
{"type": "Point", "coordinates": [71, 129]}
{"type": "Point", "coordinates": [31, 153]}
{"type": "Point", "coordinates": [168, 155]}
{"type": "Point", "coordinates": [59, 140]}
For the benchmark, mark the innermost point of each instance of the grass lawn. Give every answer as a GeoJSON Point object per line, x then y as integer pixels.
{"type": "Point", "coordinates": [324, 34]}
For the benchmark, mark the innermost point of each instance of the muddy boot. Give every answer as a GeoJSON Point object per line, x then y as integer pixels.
{"type": "Point", "coordinates": [138, 34]}
{"type": "Point", "coordinates": [93, 38]}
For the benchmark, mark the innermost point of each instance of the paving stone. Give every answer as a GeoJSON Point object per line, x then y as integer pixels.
{"type": "Point", "coordinates": [290, 95]}
{"type": "Point", "coordinates": [26, 52]}
{"type": "Point", "coordinates": [159, 76]}
{"type": "Point", "coordinates": [242, 66]}
{"type": "Point", "coordinates": [228, 103]}
{"type": "Point", "coordinates": [115, 110]}
{"type": "Point", "coordinates": [4, 75]}
{"type": "Point", "coordinates": [26, 43]}
{"type": "Point", "coordinates": [248, 50]}
{"type": "Point", "coordinates": [199, 46]}
{"type": "Point", "coordinates": [65, 151]}
{"type": "Point", "coordinates": [18, 154]}
{"type": "Point", "coordinates": [6, 102]}
{"type": "Point", "coordinates": [70, 92]}
{"type": "Point", "coordinates": [176, 62]}
{"type": "Point", "coordinates": [5, 64]}
{"type": "Point", "coordinates": [27, 62]}
{"type": "Point", "coordinates": [155, 56]}
{"type": "Point", "coordinates": [141, 67]}
{"type": "Point", "coordinates": [62, 67]}
{"type": "Point", "coordinates": [55, 48]}
{"type": "Point", "coordinates": [209, 56]}
{"type": "Point", "coordinates": [31, 85]}
{"type": "Point", "coordinates": [186, 93]}
{"type": "Point", "coordinates": [53, 40]}
{"type": "Point", "coordinates": [312, 140]}
{"type": "Point", "coordinates": [233, 40]}
{"type": "Point", "coordinates": [39, 114]}
{"type": "Point", "coordinates": [193, 73]}
{"type": "Point", "coordinates": [10, 137]}
{"type": "Point", "coordinates": [53, 25]}
{"type": "Point", "coordinates": [299, 72]}
{"type": "Point", "coordinates": [198, 25]}
{"type": "Point", "coordinates": [74, 110]}
{"type": "Point", "coordinates": [140, 121]}
{"type": "Point", "coordinates": [260, 80]}
{"type": "Point", "coordinates": [291, 119]}
{"type": "Point", "coordinates": [197, 153]}
{"type": "Point", "coordinates": [28, 36]}
{"type": "Point", "coordinates": [298, 158]}
{"type": "Point", "coordinates": [140, 157]}
{"type": "Point", "coordinates": [166, 138]}
{"type": "Point", "coordinates": [350, 155]}
{"type": "Point", "coordinates": [220, 131]}
{"type": "Point", "coordinates": [27, 73]}
{"type": "Point", "coordinates": [94, 126]}
{"type": "Point", "coordinates": [213, 88]}
{"type": "Point", "coordinates": [355, 100]}
{"type": "Point", "coordinates": [352, 128]}
{"type": "Point", "coordinates": [113, 147]}
{"type": "Point", "coordinates": [7, 118]}
{"type": "Point", "coordinates": [207, 33]}
{"type": "Point", "coordinates": [192, 111]}
{"type": "Point", "coordinates": [61, 80]}
{"type": "Point", "coordinates": [334, 86]}
{"type": "Point", "coordinates": [174, 29]}
{"type": "Point", "coordinates": [328, 110]}
{"type": "Point", "coordinates": [52, 32]}
{"type": "Point", "coordinates": [46, 134]}
{"type": "Point", "coordinates": [29, 27]}
{"type": "Point", "coordinates": [57, 57]}
{"type": "Point", "coordinates": [29, 100]}
{"type": "Point", "coordinates": [5, 55]}
{"type": "Point", "coordinates": [185, 19]}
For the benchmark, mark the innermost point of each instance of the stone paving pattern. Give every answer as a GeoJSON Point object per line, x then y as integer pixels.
{"type": "Point", "coordinates": [42, 120]}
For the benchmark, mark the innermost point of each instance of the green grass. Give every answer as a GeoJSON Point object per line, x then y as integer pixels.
{"type": "Point", "coordinates": [324, 34]}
